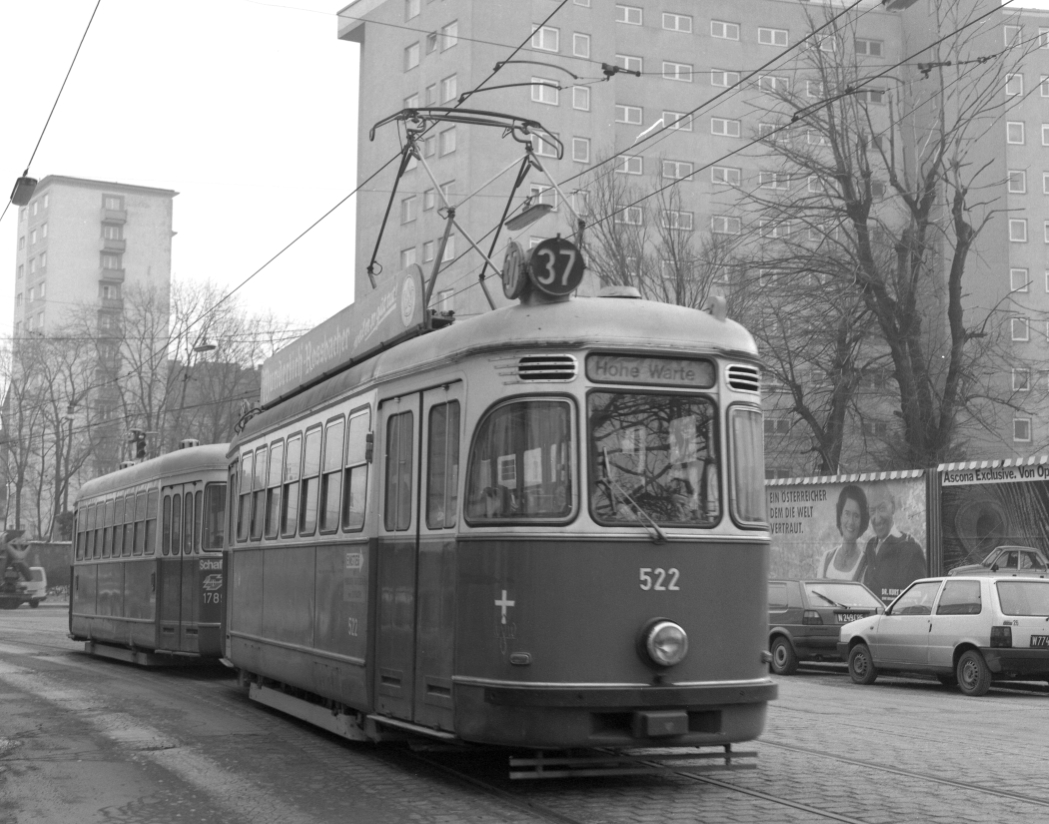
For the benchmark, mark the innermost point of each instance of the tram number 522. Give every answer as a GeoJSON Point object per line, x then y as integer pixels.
{"type": "Point", "coordinates": [659, 579]}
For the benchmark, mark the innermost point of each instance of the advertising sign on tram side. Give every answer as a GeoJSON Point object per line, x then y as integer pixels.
{"type": "Point", "coordinates": [391, 312]}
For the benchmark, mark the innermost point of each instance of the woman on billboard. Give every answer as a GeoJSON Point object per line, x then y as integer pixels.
{"type": "Point", "coordinates": [846, 562]}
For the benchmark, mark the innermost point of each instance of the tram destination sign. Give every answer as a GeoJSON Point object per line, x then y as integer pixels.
{"type": "Point", "coordinates": [391, 312]}
{"type": "Point", "coordinates": [693, 373]}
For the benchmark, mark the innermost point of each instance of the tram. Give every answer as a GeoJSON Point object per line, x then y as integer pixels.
{"type": "Point", "coordinates": [541, 527]}
{"type": "Point", "coordinates": [147, 580]}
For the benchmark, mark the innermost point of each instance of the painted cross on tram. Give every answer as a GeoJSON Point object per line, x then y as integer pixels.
{"type": "Point", "coordinates": [503, 603]}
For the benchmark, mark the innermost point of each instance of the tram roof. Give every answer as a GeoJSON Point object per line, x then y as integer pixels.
{"type": "Point", "coordinates": [179, 462]}
{"type": "Point", "coordinates": [601, 322]}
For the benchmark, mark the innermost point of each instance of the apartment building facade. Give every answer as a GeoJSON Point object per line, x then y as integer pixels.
{"type": "Point", "coordinates": [601, 75]}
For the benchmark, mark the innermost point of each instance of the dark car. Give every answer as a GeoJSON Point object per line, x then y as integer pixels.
{"type": "Point", "coordinates": [1008, 560]}
{"type": "Point", "coordinates": [805, 617]}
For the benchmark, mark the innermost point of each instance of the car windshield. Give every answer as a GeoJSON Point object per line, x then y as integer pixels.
{"type": "Point", "coordinates": [656, 453]}
{"type": "Point", "coordinates": [1024, 597]}
{"type": "Point", "coordinates": [843, 594]}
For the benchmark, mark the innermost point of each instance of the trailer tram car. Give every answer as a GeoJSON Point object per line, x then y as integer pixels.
{"type": "Point", "coordinates": [541, 527]}
{"type": "Point", "coordinates": [143, 594]}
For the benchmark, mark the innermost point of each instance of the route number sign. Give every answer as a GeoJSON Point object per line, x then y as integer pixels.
{"type": "Point", "coordinates": [514, 278]}
{"type": "Point", "coordinates": [556, 267]}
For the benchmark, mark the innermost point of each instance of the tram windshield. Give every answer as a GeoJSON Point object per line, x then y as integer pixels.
{"type": "Point", "coordinates": [521, 463]}
{"type": "Point", "coordinates": [653, 457]}
{"type": "Point", "coordinates": [214, 511]}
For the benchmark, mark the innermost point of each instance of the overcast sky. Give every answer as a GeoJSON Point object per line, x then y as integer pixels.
{"type": "Point", "coordinates": [247, 109]}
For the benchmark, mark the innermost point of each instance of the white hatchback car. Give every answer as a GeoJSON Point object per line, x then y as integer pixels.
{"type": "Point", "coordinates": [965, 630]}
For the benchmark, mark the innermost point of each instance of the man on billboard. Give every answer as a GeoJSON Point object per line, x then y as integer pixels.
{"type": "Point", "coordinates": [893, 558]}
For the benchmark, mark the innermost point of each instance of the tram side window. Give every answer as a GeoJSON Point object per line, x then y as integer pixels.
{"type": "Point", "coordinates": [290, 517]}
{"type": "Point", "coordinates": [165, 538]}
{"type": "Point", "coordinates": [118, 526]}
{"type": "Point", "coordinates": [398, 512]}
{"type": "Point", "coordinates": [176, 524]}
{"type": "Point", "coordinates": [214, 510]}
{"type": "Point", "coordinates": [748, 465]}
{"type": "Point", "coordinates": [107, 541]}
{"type": "Point", "coordinates": [522, 463]}
{"type": "Point", "coordinates": [331, 477]}
{"type": "Point", "coordinates": [653, 456]}
{"type": "Point", "coordinates": [140, 523]}
{"type": "Point", "coordinates": [198, 521]}
{"type": "Point", "coordinates": [311, 467]}
{"type": "Point", "coordinates": [442, 481]}
{"type": "Point", "coordinates": [273, 490]}
{"type": "Point", "coordinates": [129, 524]}
{"type": "Point", "coordinates": [355, 486]}
{"type": "Point", "coordinates": [91, 551]}
{"type": "Point", "coordinates": [247, 463]}
{"type": "Point", "coordinates": [258, 512]}
{"type": "Point", "coordinates": [97, 514]}
{"type": "Point", "coordinates": [81, 536]}
{"type": "Point", "coordinates": [187, 524]}
{"type": "Point", "coordinates": [152, 505]}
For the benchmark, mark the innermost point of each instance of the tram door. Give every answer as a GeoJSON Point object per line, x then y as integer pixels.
{"type": "Point", "coordinates": [418, 513]}
{"type": "Point", "coordinates": [177, 584]}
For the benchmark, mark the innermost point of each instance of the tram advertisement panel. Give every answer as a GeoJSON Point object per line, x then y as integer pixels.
{"type": "Point", "coordinates": [859, 528]}
{"type": "Point", "coordinates": [983, 507]}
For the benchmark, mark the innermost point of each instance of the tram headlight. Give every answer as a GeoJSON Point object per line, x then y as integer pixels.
{"type": "Point", "coordinates": [665, 642]}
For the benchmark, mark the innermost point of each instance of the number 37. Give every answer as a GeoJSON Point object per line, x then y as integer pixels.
{"type": "Point", "coordinates": [659, 579]}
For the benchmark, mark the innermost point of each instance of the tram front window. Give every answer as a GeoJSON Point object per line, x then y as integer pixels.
{"type": "Point", "coordinates": [653, 457]}
{"type": "Point", "coordinates": [214, 515]}
{"type": "Point", "coordinates": [521, 464]}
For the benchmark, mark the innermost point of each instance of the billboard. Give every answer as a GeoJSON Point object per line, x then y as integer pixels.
{"type": "Point", "coordinates": [869, 528]}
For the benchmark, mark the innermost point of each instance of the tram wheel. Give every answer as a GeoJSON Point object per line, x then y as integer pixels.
{"type": "Point", "coordinates": [974, 678]}
{"type": "Point", "coordinates": [861, 665]}
{"type": "Point", "coordinates": [784, 659]}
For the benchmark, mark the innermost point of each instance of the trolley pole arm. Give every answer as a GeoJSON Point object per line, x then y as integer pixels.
{"type": "Point", "coordinates": [407, 153]}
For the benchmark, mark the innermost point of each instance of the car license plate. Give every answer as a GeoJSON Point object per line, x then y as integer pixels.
{"type": "Point", "coordinates": [1040, 640]}
{"type": "Point", "coordinates": [845, 617]}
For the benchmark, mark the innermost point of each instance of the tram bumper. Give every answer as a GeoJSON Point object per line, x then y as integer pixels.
{"type": "Point", "coordinates": [566, 716]}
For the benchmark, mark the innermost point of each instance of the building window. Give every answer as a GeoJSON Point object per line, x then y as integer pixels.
{"type": "Point", "coordinates": [1045, 231]}
{"type": "Point", "coordinates": [21, 242]}
{"type": "Point", "coordinates": [446, 301]}
{"type": "Point", "coordinates": [408, 208]}
{"type": "Point", "coordinates": [674, 219]}
{"type": "Point", "coordinates": [43, 265]}
{"type": "Point", "coordinates": [629, 165]}
{"type": "Point", "coordinates": [679, 121]}
{"type": "Point", "coordinates": [1021, 380]}
{"type": "Point", "coordinates": [581, 149]}
{"type": "Point", "coordinates": [585, 3]}
{"type": "Point", "coordinates": [581, 98]}
{"type": "Point", "coordinates": [545, 148]}
{"type": "Point", "coordinates": [21, 270]}
{"type": "Point", "coordinates": [546, 38]}
{"type": "Point", "coordinates": [1014, 132]}
{"type": "Point", "coordinates": [112, 231]}
{"type": "Point", "coordinates": [814, 88]}
{"type": "Point", "coordinates": [411, 9]}
{"type": "Point", "coordinates": [449, 35]}
{"type": "Point", "coordinates": [407, 258]}
{"type": "Point", "coordinates": [431, 95]}
{"type": "Point", "coordinates": [631, 15]}
{"type": "Point", "coordinates": [429, 199]}
{"type": "Point", "coordinates": [1018, 280]}
{"type": "Point", "coordinates": [771, 83]}
{"type": "Point", "coordinates": [871, 48]}
{"type": "Point", "coordinates": [677, 22]}
{"type": "Point", "coordinates": [1043, 38]}
{"type": "Point", "coordinates": [725, 225]}
{"type": "Point", "coordinates": [1012, 35]}
{"type": "Point", "coordinates": [876, 96]}
{"type": "Point", "coordinates": [677, 170]}
{"type": "Point", "coordinates": [629, 114]}
{"type": "Point", "coordinates": [815, 138]}
{"type": "Point", "coordinates": [428, 248]}
{"type": "Point", "coordinates": [450, 88]}
{"type": "Point", "coordinates": [411, 102]}
{"type": "Point", "coordinates": [32, 237]}
{"type": "Point", "coordinates": [112, 262]}
{"type": "Point", "coordinates": [725, 175]}
{"type": "Point", "coordinates": [43, 230]}
{"type": "Point", "coordinates": [449, 249]}
{"type": "Point", "coordinates": [546, 94]}
{"type": "Point", "coordinates": [774, 180]}
{"type": "Point", "coordinates": [723, 30]}
{"type": "Point", "coordinates": [411, 57]}
{"type": "Point", "coordinates": [726, 128]}
{"type": "Point", "coordinates": [1043, 86]}
{"type": "Point", "coordinates": [1017, 182]}
{"type": "Point", "coordinates": [1018, 230]}
{"type": "Point", "coordinates": [1014, 84]}
{"type": "Point", "coordinates": [1022, 430]}
{"type": "Point", "coordinates": [724, 79]}
{"type": "Point", "coordinates": [772, 37]}
{"type": "Point", "coordinates": [629, 62]}
{"type": "Point", "coordinates": [1020, 329]}
{"type": "Point", "coordinates": [681, 72]}
{"type": "Point", "coordinates": [581, 45]}
{"type": "Point", "coordinates": [777, 426]}
{"type": "Point", "coordinates": [630, 216]}
{"type": "Point", "coordinates": [446, 142]}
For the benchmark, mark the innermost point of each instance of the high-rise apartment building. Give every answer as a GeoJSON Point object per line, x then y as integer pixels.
{"type": "Point", "coordinates": [600, 74]}
{"type": "Point", "coordinates": [84, 247]}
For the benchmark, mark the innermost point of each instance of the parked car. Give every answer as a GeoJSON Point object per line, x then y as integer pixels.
{"type": "Point", "coordinates": [804, 618]}
{"type": "Point", "coordinates": [1015, 560]}
{"type": "Point", "coordinates": [14, 591]}
{"type": "Point", "coordinates": [965, 630]}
